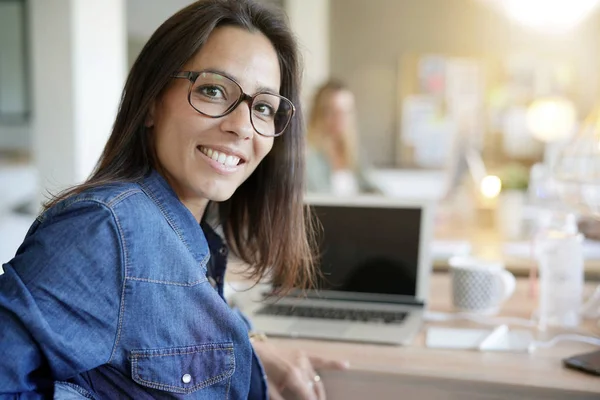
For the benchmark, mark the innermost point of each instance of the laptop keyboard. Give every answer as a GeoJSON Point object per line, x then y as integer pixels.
{"type": "Point", "coordinates": [372, 316]}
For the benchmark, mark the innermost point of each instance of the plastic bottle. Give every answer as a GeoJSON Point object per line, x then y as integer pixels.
{"type": "Point", "coordinates": [559, 252]}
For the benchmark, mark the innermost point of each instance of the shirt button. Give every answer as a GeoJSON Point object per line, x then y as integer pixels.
{"type": "Point", "coordinates": [187, 378]}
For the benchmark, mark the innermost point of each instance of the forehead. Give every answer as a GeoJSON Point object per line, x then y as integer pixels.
{"type": "Point", "coordinates": [248, 57]}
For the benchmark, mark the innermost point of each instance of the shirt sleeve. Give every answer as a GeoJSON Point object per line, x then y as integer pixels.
{"type": "Point", "coordinates": [60, 299]}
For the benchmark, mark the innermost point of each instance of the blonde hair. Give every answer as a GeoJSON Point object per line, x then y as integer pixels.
{"type": "Point", "coordinates": [317, 137]}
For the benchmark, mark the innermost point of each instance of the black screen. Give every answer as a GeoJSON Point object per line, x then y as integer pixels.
{"type": "Point", "coordinates": [369, 250]}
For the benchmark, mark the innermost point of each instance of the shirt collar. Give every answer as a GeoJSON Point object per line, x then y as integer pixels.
{"type": "Point", "coordinates": [181, 220]}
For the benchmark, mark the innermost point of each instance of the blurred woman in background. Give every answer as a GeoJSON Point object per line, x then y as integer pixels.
{"type": "Point", "coordinates": [333, 164]}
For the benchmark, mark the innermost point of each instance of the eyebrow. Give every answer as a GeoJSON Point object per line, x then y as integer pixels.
{"type": "Point", "coordinates": [260, 89]}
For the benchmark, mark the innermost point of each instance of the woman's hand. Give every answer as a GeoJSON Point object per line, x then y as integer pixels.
{"type": "Point", "coordinates": [293, 375]}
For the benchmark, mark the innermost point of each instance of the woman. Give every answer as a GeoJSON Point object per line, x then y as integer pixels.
{"type": "Point", "coordinates": [332, 159]}
{"type": "Point", "coordinates": [110, 294]}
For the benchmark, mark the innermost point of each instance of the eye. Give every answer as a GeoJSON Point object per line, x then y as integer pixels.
{"type": "Point", "coordinates": [264, 109]}
{"type": "Point", "coordinates": [213, 92]}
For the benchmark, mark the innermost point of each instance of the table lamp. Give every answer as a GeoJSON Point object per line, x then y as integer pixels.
{"type": "Point", "coordinates": [549, 16]}
{"type": "Point", "coordinates": [551, 119]}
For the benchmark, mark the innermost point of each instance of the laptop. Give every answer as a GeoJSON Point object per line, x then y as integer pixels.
{"type": "Point", "coordinates": [374, 269]}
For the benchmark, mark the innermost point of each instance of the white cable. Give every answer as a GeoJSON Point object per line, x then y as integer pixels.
{"type": "Point", "coordinates": [566, 337]}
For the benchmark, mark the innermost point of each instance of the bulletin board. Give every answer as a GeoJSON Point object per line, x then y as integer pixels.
{"type": "Point", "coordinates": [448, 103]}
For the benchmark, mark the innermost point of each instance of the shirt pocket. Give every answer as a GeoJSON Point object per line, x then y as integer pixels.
{"type": "Point", "coordinates": [183, 369]}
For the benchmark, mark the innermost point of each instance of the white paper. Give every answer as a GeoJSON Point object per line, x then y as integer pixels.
{"type": "Point", "coordinates": [470, 339]}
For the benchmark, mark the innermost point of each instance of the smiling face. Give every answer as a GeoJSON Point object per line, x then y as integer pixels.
{"type": "Point", "coordinates": [203, 158]}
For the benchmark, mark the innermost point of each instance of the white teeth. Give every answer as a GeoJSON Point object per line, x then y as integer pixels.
{"type": "Point", "coordinates": [230, 161]}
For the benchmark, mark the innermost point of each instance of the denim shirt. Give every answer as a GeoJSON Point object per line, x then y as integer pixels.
{"type": "Point", "coordinates": [110, 297]}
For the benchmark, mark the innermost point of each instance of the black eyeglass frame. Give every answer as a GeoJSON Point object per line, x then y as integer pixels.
{"type": "Point", "coordinates": [193, 75]}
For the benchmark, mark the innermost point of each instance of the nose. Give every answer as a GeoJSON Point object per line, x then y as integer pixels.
{"type": "Point", "coordinates": [238, 121]}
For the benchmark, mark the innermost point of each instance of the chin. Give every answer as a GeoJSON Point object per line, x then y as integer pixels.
{"type": "Point", "coordinates": [218, 194]}
{"type": "Point", "coordinates": [221, 197]}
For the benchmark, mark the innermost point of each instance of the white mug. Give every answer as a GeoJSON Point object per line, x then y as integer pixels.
{"type": "Point", "coordinates": [479, 286]}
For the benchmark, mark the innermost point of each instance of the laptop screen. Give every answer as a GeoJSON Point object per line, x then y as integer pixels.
{"type": "Point", "coordinates": [369, 249]}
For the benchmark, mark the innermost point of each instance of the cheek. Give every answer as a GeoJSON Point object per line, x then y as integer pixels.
{"type": "Point", "coordinates": [262, 147]}
{"type": "Point", "coordinates": [165, 142]}
{"type": "Point", "coordinates": [179, 133]}
{"type": "Point", "coordinates": [172, 147]}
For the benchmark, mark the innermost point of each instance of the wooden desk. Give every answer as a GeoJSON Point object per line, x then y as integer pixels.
{"type": "Point", "coordinates": [416, 372]}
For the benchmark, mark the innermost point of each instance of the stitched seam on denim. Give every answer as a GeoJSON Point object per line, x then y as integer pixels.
{"type": "Point", "coordinates": [168, 282]}
{"type": "Point", "coordinates": [146, 355]}
{"type": "Point", "coordinates": [165, 214]}
{"type": "Point", "coordinates": [227, 388]}
{"type": "Point", "coordinates": [78, 198]}
{"type": "Point", "coordinates": [232, 361]}
{"type": "Point", "coordinates": [123, 196]}
{"type": "Point", "coordinates": [124, 265]}
{"type": "Point", "coordinates": [205, 260]}
{"type": "Point", "coordinates": [77, 388]}
{"type": "Point", "coordinates": [177, 389]}
{"type": "Point", "coordinates": [179, 349]}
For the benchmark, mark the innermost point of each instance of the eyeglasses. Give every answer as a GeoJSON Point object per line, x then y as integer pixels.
{"type": "Point", "coordinates": [215, 95]}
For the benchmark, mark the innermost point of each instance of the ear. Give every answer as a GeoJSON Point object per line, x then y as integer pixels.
{"type": "Point", "coordinates": [149, 121]}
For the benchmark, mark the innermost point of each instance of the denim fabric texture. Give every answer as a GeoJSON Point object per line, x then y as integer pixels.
{"type": "Point", "coordinates": [109, 297]}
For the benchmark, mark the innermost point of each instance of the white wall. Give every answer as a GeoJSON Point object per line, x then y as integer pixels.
{"type": "Point", "coordinates": [53, 103]}
{"type": "Point", "coordinates": [144, 16]}
{"type": "Point", "coordinates": [79, 53]}
{"type": "Point", "coordinates": [99, 58]}
{"type": "Point", "coordinates": [310, 21]}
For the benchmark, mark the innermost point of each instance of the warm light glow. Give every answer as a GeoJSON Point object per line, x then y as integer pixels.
{"type": "Point", "coordinates": [549, 15]}
{"type": "Point", "coordinates": [491, 186]}
{"type": "Point", "coordinates": [551, 119]}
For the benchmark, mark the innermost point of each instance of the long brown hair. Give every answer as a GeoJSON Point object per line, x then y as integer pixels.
{"type": "Point", "coordinates": [265, 221]}
{"type": "Point", "coordinates": [317, 137]}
